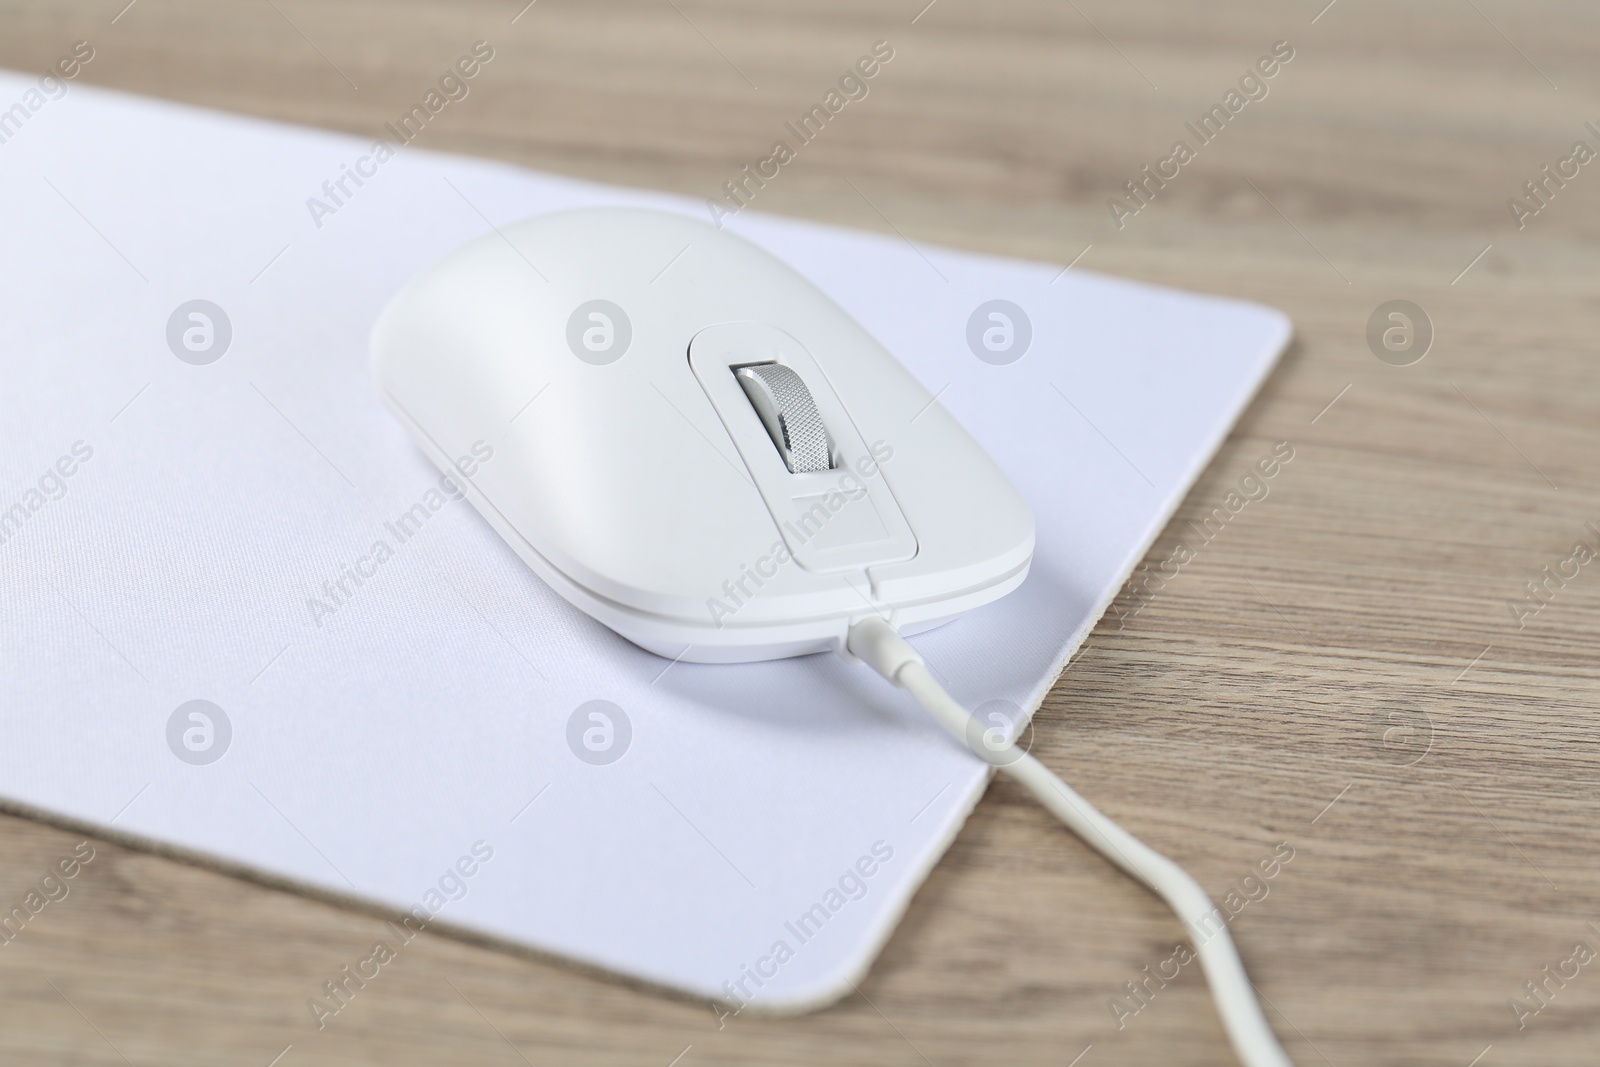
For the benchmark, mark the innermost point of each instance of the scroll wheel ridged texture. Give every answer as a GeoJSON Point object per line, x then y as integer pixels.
{"type": "Point", "coordinates": [790, 415]}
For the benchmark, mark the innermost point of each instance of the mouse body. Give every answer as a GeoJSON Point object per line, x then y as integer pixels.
{"type": "Point", "coordinates": [691, 441]}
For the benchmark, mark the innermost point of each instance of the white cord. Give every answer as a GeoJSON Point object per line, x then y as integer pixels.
{"type": "Point", "coordinates": [878, 644]}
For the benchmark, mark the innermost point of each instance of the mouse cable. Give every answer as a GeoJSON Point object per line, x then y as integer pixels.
{"type": "Point", "coordinates": [877, 644]}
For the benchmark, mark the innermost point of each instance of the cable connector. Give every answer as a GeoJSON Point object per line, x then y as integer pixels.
{"type": "Point", "coordinates": [876, 643]}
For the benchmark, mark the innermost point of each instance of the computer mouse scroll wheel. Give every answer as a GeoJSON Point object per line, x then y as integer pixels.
{"type": "Point", "coordinates": [790, 415]}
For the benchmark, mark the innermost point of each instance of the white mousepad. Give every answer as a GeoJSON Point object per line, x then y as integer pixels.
{"type": "Point", "coordinates": [202, 500]}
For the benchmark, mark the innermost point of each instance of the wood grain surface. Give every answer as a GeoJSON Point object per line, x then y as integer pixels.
{"type": "Point", "coordinates": [1342, 668]}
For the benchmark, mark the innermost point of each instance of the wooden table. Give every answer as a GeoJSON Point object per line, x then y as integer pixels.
{"type": "Point", "coordinates": [1343, 668]}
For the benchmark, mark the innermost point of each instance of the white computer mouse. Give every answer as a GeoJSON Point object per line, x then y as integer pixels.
{"type": "Point", "coordinates": [692, 442]}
